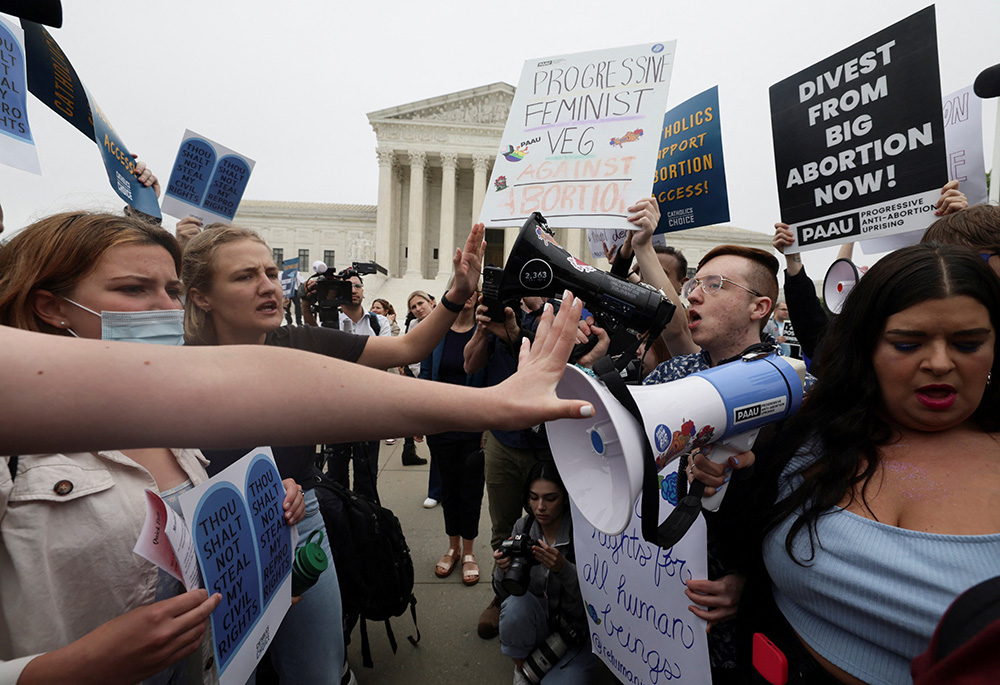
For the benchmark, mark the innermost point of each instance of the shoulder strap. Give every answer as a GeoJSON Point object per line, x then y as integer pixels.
{"type": "Point", "coordinates": [12, 465]}
{"type": "Point", "coordinates": [687, 509]}
{"type": "Point", "coordinates": [373, 319]}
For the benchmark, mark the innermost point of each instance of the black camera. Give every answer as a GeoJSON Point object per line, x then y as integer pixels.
{"type": "Point", "coordinates": [518, 549]}
{"type": "Point", "coordinates": [333, 289]}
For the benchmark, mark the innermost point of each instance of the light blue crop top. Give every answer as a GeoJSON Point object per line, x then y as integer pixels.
{"type": "Point", "coordinates": [871, 597]}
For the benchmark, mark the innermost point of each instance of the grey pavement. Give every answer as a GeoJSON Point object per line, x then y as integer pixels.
{"type": "Point", "coordinates": [449, 650]}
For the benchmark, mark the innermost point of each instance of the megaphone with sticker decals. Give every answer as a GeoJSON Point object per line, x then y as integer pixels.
{"type": "Point", "coordinates": [538, 266]}
{"type": "Point", "coordinates": [606, 460]}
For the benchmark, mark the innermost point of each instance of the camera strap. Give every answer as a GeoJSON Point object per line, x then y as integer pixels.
{"type": "Point", "coordinates": [688, 508]}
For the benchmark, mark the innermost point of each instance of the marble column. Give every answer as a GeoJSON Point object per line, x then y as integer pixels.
{"type": "Point", "coordinates": [383, 215]}
{"type": "Point", "coordinates": [415, 240]}
{"type": "Point", "coordinates": [480, 164]}
{"type": "Point", "coordinates": [446, 241]}
{"type": "Point", "coordinates": [395, 249]}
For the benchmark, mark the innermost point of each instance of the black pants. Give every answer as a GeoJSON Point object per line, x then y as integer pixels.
{"type": "Point", "coordinates": [365, 457]}
{"type": "Point", "coordinates": [460, 464]}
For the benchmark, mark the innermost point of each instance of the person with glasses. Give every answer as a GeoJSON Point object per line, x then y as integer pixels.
{"type": "Point", "coordinates": [729, 301]}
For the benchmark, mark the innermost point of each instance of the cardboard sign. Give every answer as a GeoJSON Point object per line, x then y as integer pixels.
{"type": "Point", "coordinates": [17, 147]}
{"type": "Point", "coordinates": [207, 181]}
{"type": "Point", "coordinates": [52, 79]}
{"type": "Point", "coordinates": [858, 139]}
{"type": "Point", "coordinates": [640, 625]}
{"type": "Point", "coordinates": [244, 549]}
{"type": "Point", "coordinates": [581, 138]}
{"type": "Point", "coordinates": [690, 182]}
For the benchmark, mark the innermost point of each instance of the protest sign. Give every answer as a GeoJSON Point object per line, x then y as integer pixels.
{"type": "Point", "coordinates": [290, 276]}
{"type": "Point", "coordinates": [963, 136]}
{"type": "Point", "coordinates": [581, 138]}
{"type": "Point", "coordinates": [640, 625]}
{"type": "Point", "coordinates": [858, 138]}
{"type": "Point", "coordinates": [690, 182]}
{"type": "Point", "coordinates": [17, 147]}
{"type": "Point", "coordinates": [52, 79]}
{"type": "Point", "coordinates": [244, 549]}
{"type": "Point", "coordinates": [602, 240]}
{"type": "Point", "coordinates": [207, 181]}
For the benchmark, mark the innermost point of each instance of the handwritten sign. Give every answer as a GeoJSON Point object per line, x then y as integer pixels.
{"type": "Point", "coordinates": [690, 180]}
{"type": "Point", "coordinates": [207, 181]}
{"type": "Point", "coordinates": [859, 145]}
{"type": "Point", "coordinates": [640, 625]}
{"type": "Point", "coordinates": [580, 140]}
{"type": "Point", "coordinates": [963, 135]}
{"type": "Point", "coordinates": [244, 550]}
{"type": "Point", "coordinates": [52, 79]}
{"type": "Point", "coordinates": [17, 147]}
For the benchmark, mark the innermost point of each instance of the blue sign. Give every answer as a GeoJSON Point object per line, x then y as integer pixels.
{"type": "Point", "coordinates": [13, 88]}
{"type": "Point", "coordinates": [225, 544]}
{"type": "Point", "coordinates": [690, 179]}
{"type": "Point", "coordinates": [290, 276]}
{"type": "Point", "coordinates": [266, 496]}
{"type": "Point", "coordinates": [207, 181]}
{"type": "Point", "coordinates": [52, 79]}
{"type": "Point", "coordinates": [194, 163]}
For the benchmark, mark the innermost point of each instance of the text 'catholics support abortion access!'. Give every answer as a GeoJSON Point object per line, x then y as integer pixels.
{"type": "Point", "coordinates": [858, 138]}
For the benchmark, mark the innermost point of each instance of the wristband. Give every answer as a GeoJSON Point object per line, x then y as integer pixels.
{"type": "Point", "coordinates": [449, 305]}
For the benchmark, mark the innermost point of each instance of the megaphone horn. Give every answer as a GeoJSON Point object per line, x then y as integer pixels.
{"type": "Point", "coordinates": [600, 458]}
{"type": "Point", "coordinates": [840, 280]}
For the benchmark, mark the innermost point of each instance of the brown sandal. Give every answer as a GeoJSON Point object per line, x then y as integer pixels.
{"type": "Point", "coordinates": [444, 567]}
{"type": "Point", "coordinates": [470, 576]}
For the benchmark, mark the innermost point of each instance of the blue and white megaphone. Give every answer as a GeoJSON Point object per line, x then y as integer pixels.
{"type": "Point", "coordinates": [601, 458]}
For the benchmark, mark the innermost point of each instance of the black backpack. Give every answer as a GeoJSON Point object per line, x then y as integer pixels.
{"type": "Point", "coordinates": [372, 560]}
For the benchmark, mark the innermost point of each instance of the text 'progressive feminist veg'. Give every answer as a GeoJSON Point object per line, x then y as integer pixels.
{"type": "Point", "coordinates": [244, 549]}
{"type": "Point", "coordinates": [53, 80]}
{"type": "Point", "coordinates": [581, 138]}
{"type": "Point", "coordinates": [17, 147]}
{"type": "Point", "coordinates": [207, 181]}
{"type": "Point", "coordinates": [859, 146]}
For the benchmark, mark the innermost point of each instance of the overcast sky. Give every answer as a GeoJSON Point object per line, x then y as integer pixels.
{"type": "Point", "coordinates": [291, 89]}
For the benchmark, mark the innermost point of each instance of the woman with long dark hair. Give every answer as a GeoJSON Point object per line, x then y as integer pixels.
{"type": "Point", "coordinates": [889, 495]}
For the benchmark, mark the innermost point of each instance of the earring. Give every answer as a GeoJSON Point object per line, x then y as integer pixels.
{"type": "Point", "coordinates": [63, 324]}
{"type": "Point", "coordinates": [989, 378]}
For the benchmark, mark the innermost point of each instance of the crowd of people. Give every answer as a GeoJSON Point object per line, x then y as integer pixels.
{"type": "Point", "coordinates": [837, 542]}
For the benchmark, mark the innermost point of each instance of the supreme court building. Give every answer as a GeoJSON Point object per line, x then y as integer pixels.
{"type": "Point", "coordinates": [434, 162]}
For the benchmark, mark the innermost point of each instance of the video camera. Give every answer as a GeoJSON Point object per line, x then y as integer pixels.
{"type": "Point", "coordinates": [538, 266]}
{"type": "Point", "coordinates": [333, 289]}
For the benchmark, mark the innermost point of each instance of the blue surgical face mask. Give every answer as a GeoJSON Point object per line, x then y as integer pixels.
{"type": "Point", "coordinates": [157, 327]}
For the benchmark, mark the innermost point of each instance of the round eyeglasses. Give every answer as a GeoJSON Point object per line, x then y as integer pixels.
{"type": "Point", "coordinates": [710, 285]}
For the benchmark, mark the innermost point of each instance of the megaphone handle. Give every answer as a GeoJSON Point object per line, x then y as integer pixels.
{"type": "Point", "coordinates": [581, 349]}
{"type": "Point", "coordinates": [720, 454]}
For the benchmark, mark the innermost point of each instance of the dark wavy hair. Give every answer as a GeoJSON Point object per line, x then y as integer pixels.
{"type": "Point", "coordinates": [544, 470]}
{"type": "Point", "coordinates": [844, 411]}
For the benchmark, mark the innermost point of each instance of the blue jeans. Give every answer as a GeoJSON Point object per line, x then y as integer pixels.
{"type": "Point", "coordinates": [524, 625]}
{"type": "Point", "coordinates": [309, 645]}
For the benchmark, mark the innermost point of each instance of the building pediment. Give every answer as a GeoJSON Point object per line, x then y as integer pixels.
{"type": "Point", "coordinates": [484, 106]}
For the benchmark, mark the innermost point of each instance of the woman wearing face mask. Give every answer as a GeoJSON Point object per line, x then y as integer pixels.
{"type": "Point", "coordinates": [71, 590]}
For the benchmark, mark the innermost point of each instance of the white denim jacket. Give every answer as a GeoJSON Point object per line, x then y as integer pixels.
{"type": "Point", "coordinates": [68, 523]}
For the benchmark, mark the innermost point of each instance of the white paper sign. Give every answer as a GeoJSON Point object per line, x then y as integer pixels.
{"type": "Point", "coordinates": [244, 549]}
{"type": "Point", "coordinates": [637, 610]}
{"type": "Point", "coordinates": [582, 137]}
{"type": "Point", "coordinates": [963, 138]}
{"type": "Point", "coordinates": [166, 541]}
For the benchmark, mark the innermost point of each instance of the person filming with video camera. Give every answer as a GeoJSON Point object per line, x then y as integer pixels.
{"type": "Point", "coordinates": [543, 622]}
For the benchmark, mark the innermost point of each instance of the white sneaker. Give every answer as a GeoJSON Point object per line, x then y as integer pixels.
{"type": "Point", "coordinates": [391, 441]}
{"type": "Point", "coordinates": [520, 678]}
{"type": "Point", "coordinates": [430, 503]}
{"type": "Point", "coordinates": [347, 676]}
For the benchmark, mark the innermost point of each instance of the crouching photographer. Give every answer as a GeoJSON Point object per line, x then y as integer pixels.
{"type": "Point", "coordinates": [543, 623]}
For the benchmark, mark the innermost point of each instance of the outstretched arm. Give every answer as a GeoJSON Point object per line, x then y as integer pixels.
{"type": "Point", "coordinates": [383, 353]}
{"type": "Point", "coordinates": [66, 395]}
{"type": "Point", "coordinates": [646, 215]}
